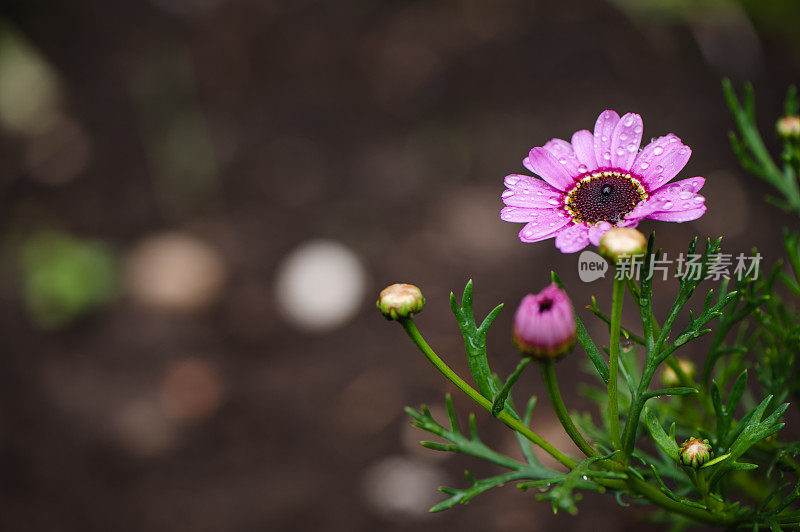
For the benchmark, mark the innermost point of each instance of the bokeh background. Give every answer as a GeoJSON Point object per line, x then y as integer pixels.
{"type": "Point", "coordinates": [202, 198]}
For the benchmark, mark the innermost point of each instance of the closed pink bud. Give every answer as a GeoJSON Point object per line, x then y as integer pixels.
{"type": "Point", "coordinates": [544, 325]}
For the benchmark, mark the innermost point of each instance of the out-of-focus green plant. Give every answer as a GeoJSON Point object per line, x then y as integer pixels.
{"type": "Point", "coordinates": [732, 470]}
{"type": "Point", "coordinates": [65, 277]}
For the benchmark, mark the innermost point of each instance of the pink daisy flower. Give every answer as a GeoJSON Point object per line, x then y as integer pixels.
{"type": "Point", "coordinates": [599, 181]}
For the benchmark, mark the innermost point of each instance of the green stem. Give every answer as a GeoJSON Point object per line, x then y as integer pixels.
{"type": "Point", "coordinates": [651, 493]}
{"type": "Point", "coordinates": [549, 376]}
{"type": "Point", "coordinates": [613, 361]}
{"type": "Point", "coordinates": [472, 393]}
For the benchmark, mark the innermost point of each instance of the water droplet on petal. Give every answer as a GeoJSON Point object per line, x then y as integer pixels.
{"type": "Point", "coordinates": [659, 169]}
{"type": "Point", "coordinates": [628, 120]}
{"type": "Point", "coordinates": [553, 201]}
{"type": "Point", "coordinates": [667, 204]}
{"type": "Point", "coordinates": [607, 155]}
{"type": "Point", "coordinates": [658, 150]}
{"type": "Point", "coordinates": [699, 199]}
{"type": "Point", "coordinates": [620, 151]}
{"type": "Point", "coordinates": [685, 195]}
{"type": "Point", "coordinates": [507, 193]}
{"type": "Point", "coordinates": [512, 180]}
{"type": "Point", "coordinates": [644, 166]}
{"type": "Point", "coordinates": [563, 160]}
{"type": "Point", "coordinates": [582, 168]}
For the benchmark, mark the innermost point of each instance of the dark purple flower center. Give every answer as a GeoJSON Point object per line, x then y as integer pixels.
{"type": "Point", "coordinates": [545, 305]}
{"type": "Point", "coordinates": [604, 196]}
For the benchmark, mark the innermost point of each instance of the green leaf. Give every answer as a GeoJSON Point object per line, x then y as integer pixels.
{"type": "Point", "coordinates": [475, 340]}
{"type": "Point", "coordinates": [582, 335]}
{"type": "Point", "coordinates": [664, 442]}
{"type": "Point", "coordinates": [677, 390]}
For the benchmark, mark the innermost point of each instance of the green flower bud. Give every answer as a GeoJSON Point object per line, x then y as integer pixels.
{"type": "Point", "coordinates": [400, 301]}
{"type": "Point", "coordinates": [788, 127]}
{"type": "Point", "coordinates": [695, 453]}
{"type": "Point", "coordinates": [622, 242]}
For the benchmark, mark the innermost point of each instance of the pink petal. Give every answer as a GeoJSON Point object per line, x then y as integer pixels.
{"type": "Point", "coordinates": [526, 191]}
{"type": "Point", "coordinates": [679, 196]}
{"type": "Point", "coordinates": [603, 136]}
{"type": "Point", "coordinates": [573, 238]}
{"type": "Point", "coordinates": [523, 214]}
{"type": "Point", "coordinates": [691, 185]}
{"type": "Point", "coordinates": [550, 169]}
{"type": "Point", "coordinates": [679, 216]}
{"type": "Point", "coordinates": [563, 152]}
{"type": "Point", "coordinates": [626, 140]}
{"type": "Point", "coordinates": [661, 160]}
{"type": "Point", "coordinates": [546, 225]}
{"type": "Point", "coordinates": [583, 145]}
{"type": "Point", "coordinates": [644, 208]}
{"type": "Point", "coordinates": [597, 231]}
{"type": "Point", "coordinates": [559, 147]}
{"type": "Point", "coordinates": [628, 223]}
{"type": "Point", "coordinates": [526, 162]}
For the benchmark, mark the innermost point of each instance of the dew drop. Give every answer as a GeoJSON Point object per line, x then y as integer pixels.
{"type": "Point", "coordinates": [553, 201]}
{"type": "Point", "coordinates": [508, 193]}
{"type": "Point", "coordinates": [659, 169]}
{"type": "Point", "coordinates": [512, 180]}
{"type": "Point", "coordinates": [620, 151]}
{"type": "Point", "coordinates": [607, 155]}
{"type": "Point", "coordinates": [563, 160]}
{"type": "Point", "coordinates": [623, 136]}
{"type": "Point", "coordinates": [699, 199]}
{"type": "Point", "coordinates": [628, 120]}
{"type": "Point", "coordinates": [658, 150]}
{"type": "Point", "coordinates": [644, 166]}
{"type": "Point", "coordinates": [667, 204]}
{"type": "Point", "coordinates": [583, 168]}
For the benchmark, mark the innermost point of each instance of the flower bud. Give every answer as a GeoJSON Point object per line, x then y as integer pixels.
{"type": "Point", "coordinates": [788, 127]}
{"type": "Point", "coordinates": [544, 325]}
{"type": "Point", "coordinates": [695, 453]}
{"type": "Point", "coordinates": [622, 242]}
{"type": "Point", "coordinates": [400, 301]}
{"type": "Point", "coordinates": [670, 378]}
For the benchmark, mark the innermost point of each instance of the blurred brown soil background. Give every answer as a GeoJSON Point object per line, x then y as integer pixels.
{"type": "Point", "coordinates": [249, 174]}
